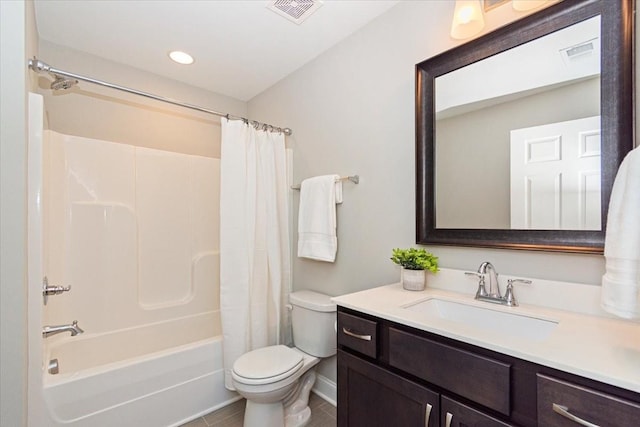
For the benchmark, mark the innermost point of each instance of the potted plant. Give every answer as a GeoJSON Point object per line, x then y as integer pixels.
{"type": "Point", "coordinates": [414, 262]}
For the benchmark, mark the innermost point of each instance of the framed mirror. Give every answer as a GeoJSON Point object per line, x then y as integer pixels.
{"type": "Point", "coordinates": [519, 133]}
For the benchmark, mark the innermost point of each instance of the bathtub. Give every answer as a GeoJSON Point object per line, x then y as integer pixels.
{"type": "Point", "coordinates": [162, 374]}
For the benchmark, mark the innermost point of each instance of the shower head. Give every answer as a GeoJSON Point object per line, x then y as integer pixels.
{"type": "Point", "coordinates": [59, 82]}
{"type": "Point", "coordinates": [62, 83]}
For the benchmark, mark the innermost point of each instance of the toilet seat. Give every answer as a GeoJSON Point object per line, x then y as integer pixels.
{"type": "Point", "coordinates": [267, 365]}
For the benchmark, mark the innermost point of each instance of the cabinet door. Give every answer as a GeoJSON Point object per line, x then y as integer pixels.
{"type": "Point", "coordinates": [370, 396]}
{"type": "Point", "coordinates": [456, 414]}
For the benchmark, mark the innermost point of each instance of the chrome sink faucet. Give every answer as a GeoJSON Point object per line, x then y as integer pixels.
{"type": "Point", "coordinates": [52, 330]}
{"type": "Point", "coordinates": [494, 295]}
{"type": "Point", "coordinates": [494, 287]}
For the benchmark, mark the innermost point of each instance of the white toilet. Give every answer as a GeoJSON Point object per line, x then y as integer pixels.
{"type": "Point", "coordinates": [276, 380]}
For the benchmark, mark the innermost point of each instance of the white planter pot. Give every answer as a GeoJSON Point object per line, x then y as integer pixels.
{"type": "Point", "coordinates": [413, 280]}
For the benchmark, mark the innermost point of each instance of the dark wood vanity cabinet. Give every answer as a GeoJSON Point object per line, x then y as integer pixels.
{"type": "Point", "coordinates": [394, 375]}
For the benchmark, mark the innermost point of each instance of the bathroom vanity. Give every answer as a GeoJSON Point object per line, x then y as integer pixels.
{"type": "Point", "coordinates": [440, 358]}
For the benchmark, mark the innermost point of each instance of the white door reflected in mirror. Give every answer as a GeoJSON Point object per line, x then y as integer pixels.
{"type": "Point", "coordinates": [555, 176]}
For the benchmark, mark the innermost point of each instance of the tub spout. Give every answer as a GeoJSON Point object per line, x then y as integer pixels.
{"type": "Point", "coordinates": [52, 330]}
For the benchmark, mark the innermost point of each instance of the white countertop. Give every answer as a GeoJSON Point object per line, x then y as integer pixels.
{"type": "Point", "coordinates": [601, 348]}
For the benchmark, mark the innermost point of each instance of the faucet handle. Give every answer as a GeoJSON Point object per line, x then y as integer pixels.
{"type": "Point", "coordinates": [509, 298]}
{"type": "Point", "coordinates": [510, 282]}
{"type": "Point", "coordinates": [482, 291]}
{"type": "Point", "coordinates": [48, 290]}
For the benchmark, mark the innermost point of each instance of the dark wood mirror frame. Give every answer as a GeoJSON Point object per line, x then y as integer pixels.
{"type": "Point", "coordinates": [617, 115]}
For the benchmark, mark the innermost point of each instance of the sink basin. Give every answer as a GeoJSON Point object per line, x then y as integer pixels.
{"type": "Point", "coordinates": [486, 319]}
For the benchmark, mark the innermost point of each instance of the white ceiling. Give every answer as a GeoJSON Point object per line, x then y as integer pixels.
{"type": "Point", "coordinates": [240, 47]}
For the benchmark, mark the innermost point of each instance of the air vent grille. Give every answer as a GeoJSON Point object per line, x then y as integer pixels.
{"type": "Point", "coordinates": [294, 10]}
{"type": "Point", "coordinates": [579, 51]}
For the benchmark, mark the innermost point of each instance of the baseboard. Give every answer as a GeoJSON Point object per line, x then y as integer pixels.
{"type": "Point", "coordinates": [326, 389]}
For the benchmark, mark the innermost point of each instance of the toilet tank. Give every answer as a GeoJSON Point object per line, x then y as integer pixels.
{"type": "Point", "coordinates": [313, 318]}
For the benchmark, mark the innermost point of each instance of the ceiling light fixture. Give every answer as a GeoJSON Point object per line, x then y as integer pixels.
{"type": "Point", "coordinates": [468, 19]}
{"type": "Point", "coordinates": [181, 57]}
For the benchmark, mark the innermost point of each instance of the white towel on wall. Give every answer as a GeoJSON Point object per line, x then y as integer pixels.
{"type": "Point", "coordinates": [317, 237]}
{"type": "Point", "coordinates": [621, 281]}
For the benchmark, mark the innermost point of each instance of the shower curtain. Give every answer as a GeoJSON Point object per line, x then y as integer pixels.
{"type": "Point", "coordinates": [254, 241]}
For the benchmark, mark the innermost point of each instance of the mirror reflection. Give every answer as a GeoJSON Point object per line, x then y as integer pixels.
{"type": "Point", "coordinates": [517, 137]}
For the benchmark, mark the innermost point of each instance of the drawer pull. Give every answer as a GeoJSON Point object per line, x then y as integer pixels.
{"type": "Point", "coordinates": [564, 411]}
{"type": "Point", "coordinates": [427, 415]}
{"type": "Point", "coordinates": [352, 334]}
{"type": "Point", "coordinates": [448, 419]}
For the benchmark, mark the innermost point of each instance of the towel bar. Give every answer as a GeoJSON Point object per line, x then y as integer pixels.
{"type": "Point", "coordinates": [353, 178]}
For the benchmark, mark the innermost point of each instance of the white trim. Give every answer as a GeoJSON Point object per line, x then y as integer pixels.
{"type": "Point", "coordinates": [326, 389]}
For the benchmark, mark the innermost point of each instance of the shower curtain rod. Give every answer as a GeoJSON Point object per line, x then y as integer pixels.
{"type": "Point", "coordinates": [42, 67]}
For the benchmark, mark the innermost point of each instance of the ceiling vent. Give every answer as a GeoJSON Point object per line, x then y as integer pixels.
{"type": "Point", "coordinates": [580, 51]}
{"type": "Point", "coordinates": [294, 10]}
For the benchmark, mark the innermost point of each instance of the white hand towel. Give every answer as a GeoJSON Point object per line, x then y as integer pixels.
{"type": "Point", "coordinates": [621, 281]}
{"type": "Point", "coordinates": [317, 217]}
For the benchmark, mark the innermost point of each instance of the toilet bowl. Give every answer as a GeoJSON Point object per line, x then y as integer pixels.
{"type": "Point", "coordinates": [276, 380]}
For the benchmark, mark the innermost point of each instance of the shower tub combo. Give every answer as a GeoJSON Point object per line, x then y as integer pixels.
{"type": "Point", "coordinates": [133, 231]}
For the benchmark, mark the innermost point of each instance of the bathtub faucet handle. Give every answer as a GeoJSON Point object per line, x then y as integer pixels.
{"type": "Point", "coordinates": [51, 289]}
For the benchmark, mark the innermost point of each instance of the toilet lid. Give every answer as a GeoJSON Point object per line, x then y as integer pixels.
{"type": "Point", "coordinates": [268, 364]}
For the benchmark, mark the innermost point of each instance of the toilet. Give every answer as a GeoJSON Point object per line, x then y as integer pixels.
{"type": "Point", "coordinates": [276, 380]}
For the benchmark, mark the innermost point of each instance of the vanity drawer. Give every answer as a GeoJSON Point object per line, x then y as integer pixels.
{"type": "Point", "coordinates": [559, 401]}
{"type": "Point", "coordinates": [358, 334]}
{"type": "Point", "coordinates": [478, 378]}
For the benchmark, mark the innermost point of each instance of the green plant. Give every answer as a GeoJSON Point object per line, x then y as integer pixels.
{"type": "Point", "coordinates": [415, 259]}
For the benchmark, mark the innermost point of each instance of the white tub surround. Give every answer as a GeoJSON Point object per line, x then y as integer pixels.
{"type": "Point", "coordinates": [107, 351]}
{"type": "Point", "coordinates": [143, 269]}
{"type": "Point", "coordinates": [588, 343]}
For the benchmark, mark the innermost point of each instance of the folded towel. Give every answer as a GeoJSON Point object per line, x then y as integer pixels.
{"type": "Point", "coordinates": [317, 217]}
{"type": "Point", "coordinates": [621, 281]}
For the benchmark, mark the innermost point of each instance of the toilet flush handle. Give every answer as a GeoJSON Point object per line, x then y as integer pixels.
{"type": "Point", "coordinates": [289, 307]}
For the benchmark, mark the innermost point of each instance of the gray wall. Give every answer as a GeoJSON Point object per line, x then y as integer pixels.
{"type": "Point", "coordinates": [352, 111]}
{"type": "Point", "coordinates": [482, 151]}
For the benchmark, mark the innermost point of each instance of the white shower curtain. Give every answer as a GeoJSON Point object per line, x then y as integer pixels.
{"type": "Point", "coordinates": [254, 241]}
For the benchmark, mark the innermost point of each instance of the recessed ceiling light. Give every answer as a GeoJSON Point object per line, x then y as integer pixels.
{"type": "Point", "coordinates": [181, 57]}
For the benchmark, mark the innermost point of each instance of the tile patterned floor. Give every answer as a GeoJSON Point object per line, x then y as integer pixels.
{"type": "Point", "coordinates": [323, 414]}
